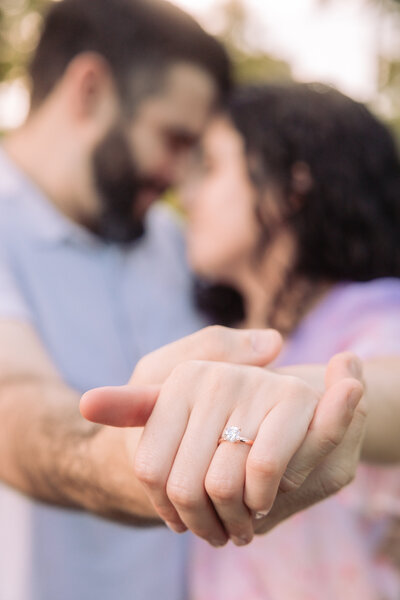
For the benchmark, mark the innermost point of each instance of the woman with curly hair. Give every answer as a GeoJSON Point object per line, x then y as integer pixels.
{"type": "Point", "coordinates": [294, 223]}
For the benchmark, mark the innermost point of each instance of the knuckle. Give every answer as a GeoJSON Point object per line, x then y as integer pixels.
{"type": "Point", "coordinates": [142, 368]}
{"type": "Point", "coordinates": [221, 375]}
{"type": "Point", "coordinates": [147, 475]}
{"type": "Point", "coordinates": [329, 442]}
{"type": "Point", "coordinates": [296, 389]}
{"type": "Point", "coordinates": [180, 370]}
{"type": "Point", "coordinates": [266, 468]}
{"type": "Point", "coordinates": [337, 480]}
{"type": "Point", "coordinates": [292, 386]}
{"type": "Point", "coordinates": [146, 471]}
{"type": "Point", "coordinates": [215, 341]}
{"type": "Point", "coordinates": [216, 380]}
{"type": "Point", "coordinates": [223, 491]}
{"type": "Point", "coordinates": [329, 486]}
{"type": "Point", "coordinates": [215, 332]}
{"type": "Point", "coordinates": [206, 382]}
{"type": "Point", "coordinates": [362, 410]}
{"type": "Point", "coordinates": [346, 476]}
{"type": "Point", "coordinates": [326, 488]}
{"type": "Point", "coordinates": [182, 496]}
{"type": "Point", "coordinates": [185, 371]}
{"type": "Point", "coordinates": [291, 481]}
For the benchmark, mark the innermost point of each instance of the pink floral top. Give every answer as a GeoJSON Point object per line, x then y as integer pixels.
{"type": "Point", "coordinates": [332, 550]}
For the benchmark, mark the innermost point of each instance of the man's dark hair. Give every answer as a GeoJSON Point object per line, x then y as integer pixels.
{"type": "Point", "coordinates": [347, 221]}
{"type": "Point", "coordinates": [135, 37]}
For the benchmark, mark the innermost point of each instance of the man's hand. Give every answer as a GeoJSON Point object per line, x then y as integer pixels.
{"type": "Point", "coordinates": [49, 452]}
{"type": "Point", "coordinates": [218, 490]}
{"type": "Point", "coordinates": [328, 459]}
{"type": "Point", "coordinates": [132, 404]}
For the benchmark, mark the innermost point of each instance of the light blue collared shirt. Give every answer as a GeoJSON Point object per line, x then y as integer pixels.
{"type": "Point", "coordinates": [98, 308]}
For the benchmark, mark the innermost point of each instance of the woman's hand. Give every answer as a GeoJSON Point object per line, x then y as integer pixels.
{"type": "Point", "coordinates": [217, 490]}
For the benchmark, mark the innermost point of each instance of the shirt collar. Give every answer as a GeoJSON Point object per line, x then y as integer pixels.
{"type": "Point", "coordinates": [44, 220]}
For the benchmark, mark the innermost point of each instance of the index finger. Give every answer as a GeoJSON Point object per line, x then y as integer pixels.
{"type": "Point", "coordinates": [257, 347]}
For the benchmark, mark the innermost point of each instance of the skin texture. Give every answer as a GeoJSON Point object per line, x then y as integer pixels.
{"type": "Point", "coordinates": [154, 147]}
{"type": "Point", "coordinates": [46, 449]}
{"type": "Point", "coordinates": [49, 452]}
{"type": "Point", "coordinates": [237, 493]}
{"type": "Point", "coordinates": [223, 231]}
{"type": "Point", "coordinates": [217, 490]}
{"type": "Point", "coordinates": [61, 459]}
{"type": "Point", "coordinates": [222, 238]}
{"type": "Point", "coordinates": [219, 200]}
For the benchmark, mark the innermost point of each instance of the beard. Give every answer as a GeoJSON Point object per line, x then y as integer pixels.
{"type": "Point", "coordinates": [120, 187]}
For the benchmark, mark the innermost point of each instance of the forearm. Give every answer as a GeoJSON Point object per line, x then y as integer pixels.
{"type": "Point", "coordinates": [49, 452]}
{"type": "Point", "coordinates": [382, 438]}
{"type": "Point", "coordinates": [382, 389]}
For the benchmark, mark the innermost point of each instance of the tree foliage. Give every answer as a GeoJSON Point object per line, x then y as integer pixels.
{"type": "Point", "coordinates": [20, 22]}
{"type": "Point", "coordinates": [250, 62]}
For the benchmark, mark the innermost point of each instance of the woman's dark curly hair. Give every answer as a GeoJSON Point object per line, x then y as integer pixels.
{"type": "Point", "coordinates": [347, 224]}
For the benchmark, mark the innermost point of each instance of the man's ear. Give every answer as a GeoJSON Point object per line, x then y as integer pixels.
{"type": "Point", "coordinates": [92, 92]}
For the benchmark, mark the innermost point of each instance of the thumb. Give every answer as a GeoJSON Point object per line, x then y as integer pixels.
{"type": "Point", "coordinates": [342, 366]}
{"type": "Point", "coordinates": [344, 380]}
{"type": "Point", "coordinates": [120, 406]}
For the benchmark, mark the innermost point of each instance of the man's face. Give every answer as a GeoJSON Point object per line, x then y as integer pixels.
{"type": "Point", "coordinates": [139, 159]}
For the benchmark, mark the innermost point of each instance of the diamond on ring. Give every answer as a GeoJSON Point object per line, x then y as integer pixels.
{"type": "Point", "coordinates": [231, 434]}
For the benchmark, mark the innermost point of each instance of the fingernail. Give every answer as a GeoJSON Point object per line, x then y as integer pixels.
{"type": "Point", "coordinates": [263, 340]}
{"type": "Point", "coordinates": [356, 367]}
{"type": "Point", "coordinates": [354, 398]}
{"type": "Point", "coordinates": [261, 514]}
{"type": "Point", "coordinates": [241, 540]}
{"type": "Point", "coordinates": [175, 527]}
{"type": "Point", "coordinates": [217, 543]}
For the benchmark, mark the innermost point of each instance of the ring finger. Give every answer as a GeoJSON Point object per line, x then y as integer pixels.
{"type": "Point", "coordinates": [225, 480]}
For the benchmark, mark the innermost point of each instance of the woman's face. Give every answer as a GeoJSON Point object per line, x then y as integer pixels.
{"type": "Point", "coordinates": [222, 228]}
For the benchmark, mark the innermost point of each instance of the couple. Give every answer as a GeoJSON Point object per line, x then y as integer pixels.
{"type": "Point", "coordinates": [285, 172]}
{"type": "Point", "coordinates": [93, 281]}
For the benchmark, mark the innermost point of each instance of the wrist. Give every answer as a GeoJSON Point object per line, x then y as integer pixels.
{"type": "Point", "coordinates": [120, 495]}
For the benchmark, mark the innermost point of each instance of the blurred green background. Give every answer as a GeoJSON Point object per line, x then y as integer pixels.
{"type": "Point", "coordinates": [20, 22]}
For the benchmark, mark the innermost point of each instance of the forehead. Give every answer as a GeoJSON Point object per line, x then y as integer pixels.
{"type": "Point", "coordinates": [185, 101]}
